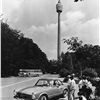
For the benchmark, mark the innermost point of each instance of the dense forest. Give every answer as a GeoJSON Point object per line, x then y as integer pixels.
{"type": "Point", "coordinates": [19, 52]}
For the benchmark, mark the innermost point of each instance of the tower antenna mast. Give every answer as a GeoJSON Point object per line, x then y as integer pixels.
{"type": "Point", "coordinates": [59, 8]}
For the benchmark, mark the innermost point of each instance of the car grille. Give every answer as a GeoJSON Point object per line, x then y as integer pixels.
{"type": "Point", "coordinates": [22, 95]}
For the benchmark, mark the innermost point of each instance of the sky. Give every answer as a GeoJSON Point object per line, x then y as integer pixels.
{"type": "Point", "coordinates": [37, 19]}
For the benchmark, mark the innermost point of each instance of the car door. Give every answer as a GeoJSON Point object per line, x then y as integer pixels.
{"type": "Point", "coordinates": [53, 90]}
{"type": "Point", "coordinates": [59, 87]}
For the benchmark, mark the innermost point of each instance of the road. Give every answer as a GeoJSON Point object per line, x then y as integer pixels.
{"type": "Point", "coordinates": [13, 83]}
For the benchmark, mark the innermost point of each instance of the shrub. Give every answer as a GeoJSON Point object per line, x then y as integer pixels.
{"type": "Point", "coordinates": [63, 72]}
{"type": "Point", "coordinates": [90, 72]}
{"type": "Point", "coordinates": [97, 85]}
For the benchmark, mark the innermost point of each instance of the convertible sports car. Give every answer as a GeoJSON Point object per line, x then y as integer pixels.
{"type": "Point", "coordinates": [44, 89]}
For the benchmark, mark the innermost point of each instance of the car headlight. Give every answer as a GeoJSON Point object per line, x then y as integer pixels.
{"type": "Point", "coordinates": [14, 92]}
{"type": "Point", "coordinates": [33, 96]}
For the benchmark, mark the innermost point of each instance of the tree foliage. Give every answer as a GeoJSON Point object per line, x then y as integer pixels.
{"type": "Point", "coordinates": [74, 43]}
{"type": "Point", "coordinates": [18, 52]}
{"type": "Point", "coordinates": [97, 84]}
{"type": "Point", "coordinates": [64, 72]}
{"type": "Point", "coordinates": [90, 72]}
{"type": "Point", "coordinates": [90, 54]}
{"type": "Point", "coordinates": [86, 55]}
{"type": "Point", "coordinates": [67, 62]}
{"type": "Point", "coordinates": [55, 66]}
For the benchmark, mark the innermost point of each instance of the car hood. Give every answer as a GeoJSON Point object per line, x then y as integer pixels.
{"type": "Point", "coordinates": [33, 89]}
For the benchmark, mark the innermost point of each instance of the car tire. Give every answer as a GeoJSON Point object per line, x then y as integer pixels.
{"type": "Point", "coordinates": [65, 93]}
{"type": "Point", "coordinates": [43, 97]}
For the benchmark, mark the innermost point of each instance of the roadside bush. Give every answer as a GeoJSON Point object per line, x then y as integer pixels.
{"type": "Point", "coordinates": [64, 72]}
{"type": "Point", "coordinates": [90, 72]}
{"type": "Point", "coordinates": [97, 85]}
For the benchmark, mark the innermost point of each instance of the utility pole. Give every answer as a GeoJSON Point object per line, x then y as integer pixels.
{"type": "Point", "coordinates": [59, 8]}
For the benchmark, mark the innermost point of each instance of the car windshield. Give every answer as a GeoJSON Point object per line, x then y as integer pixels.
{"type": "Point", "coordinates": [42, 82]}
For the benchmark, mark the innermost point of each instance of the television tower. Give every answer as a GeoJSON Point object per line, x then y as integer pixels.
{"type": "Point", "coordinates": [59, 8]}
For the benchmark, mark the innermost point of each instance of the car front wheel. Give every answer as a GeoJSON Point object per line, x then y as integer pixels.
{"type": "Point", "coordinates": [43, 97]}
{"type": "Point", "coordinates": [65, 92]}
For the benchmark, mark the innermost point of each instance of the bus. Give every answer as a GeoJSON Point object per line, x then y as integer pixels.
{"type": "Point", "coordinates": [29, 72]}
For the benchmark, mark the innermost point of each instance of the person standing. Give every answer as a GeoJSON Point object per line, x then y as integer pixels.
{"type": "Point", "coordinates": [83, 85]}
{"type": "Point", "coordinates": [73, 86]}
{"type": "Point", "coordinates": [89, 89]}
{"type": "Point", "coordinates": [80, 84]}
{"type": "Point", "coordinates": [70, 97]}
{"type": "Point", "coordinates": [67, 80]}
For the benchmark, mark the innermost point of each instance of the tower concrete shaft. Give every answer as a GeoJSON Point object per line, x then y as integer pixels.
{"type": "Point", "coordinates": [59, 40]}
{"type": "Point", "coordinates": [59, 10]}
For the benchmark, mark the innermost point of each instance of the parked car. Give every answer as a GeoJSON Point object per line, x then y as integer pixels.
{"type": "Point", "coordinates": [44, 89]}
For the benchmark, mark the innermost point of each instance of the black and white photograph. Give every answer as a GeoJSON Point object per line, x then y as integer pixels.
{"type": "Point", "coordinates": [50, 50]}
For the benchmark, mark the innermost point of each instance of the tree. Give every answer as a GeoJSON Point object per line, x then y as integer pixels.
{"type": "Point", "coordinates": [63, 72]}
{"type": "Point", "coordinates": [87, 55]}
{"type": "Point", "coordinates": [18, 52]}
{"type": "Point", "coordinates": [90, 54]}
{"type": "Point", "coordinates": [9, 40]}
{"type": "Point", "coordinates": [55, 66]}
{"type": "Point", "coordinates": [67, 62]}
{"type": "Point", "coordinates": [90, 72]}
{"type": "Point", "coordinates": [74, 43]}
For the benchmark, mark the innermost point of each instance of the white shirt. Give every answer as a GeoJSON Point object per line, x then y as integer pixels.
{"type": "Point", "coordinates": [83, 82]}
{"type": "Point", "coordinates": [69, 81]}
{"type": "Point", "coordinates": [80, 84]}
{"type": "Point", "coordinates": [89, 84]}
{"type": "Point", "coordinates": [73, 84]}
{"type": "Point", "coordinates": [83, 98]}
